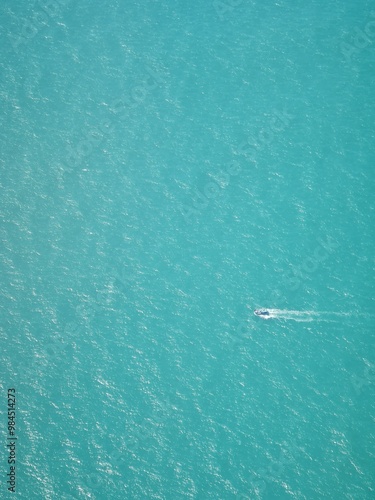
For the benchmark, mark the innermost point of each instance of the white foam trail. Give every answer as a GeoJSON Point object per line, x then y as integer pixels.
{"type": "Point", "coordinates": [303, 316]}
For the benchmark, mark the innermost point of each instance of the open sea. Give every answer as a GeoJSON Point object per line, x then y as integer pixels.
{"type": "Point", "coordinates": [167, 168]}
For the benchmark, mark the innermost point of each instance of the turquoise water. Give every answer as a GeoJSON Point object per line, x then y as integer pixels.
{"type": "Point", "coordinates": [166, 169]}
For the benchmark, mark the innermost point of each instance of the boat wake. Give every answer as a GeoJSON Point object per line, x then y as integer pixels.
{"type": "Point", "coordinates": [301, 316]}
